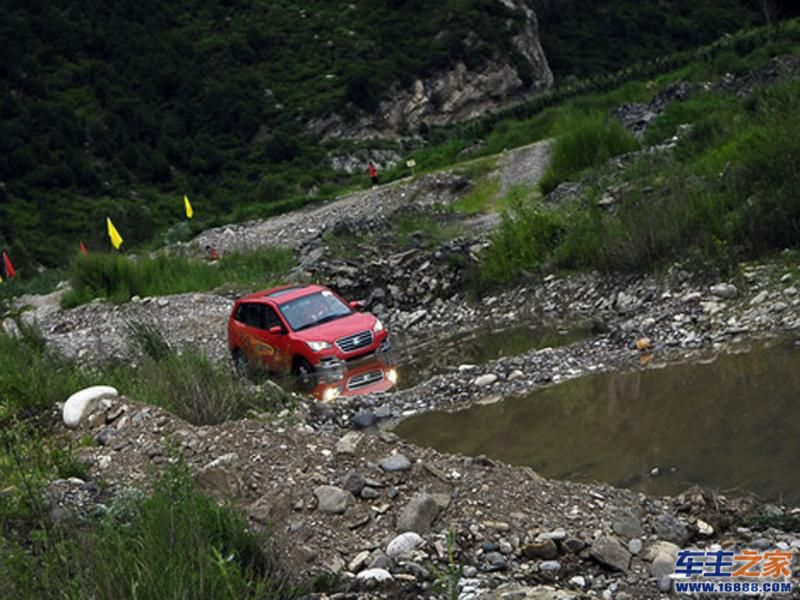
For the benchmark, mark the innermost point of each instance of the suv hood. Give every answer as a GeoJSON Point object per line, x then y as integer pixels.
{"type": "Point", "coordinates": [333, 330]}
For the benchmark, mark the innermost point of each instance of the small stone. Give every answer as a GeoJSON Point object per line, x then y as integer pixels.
{"type": "Point", "coordinates": [418, 514]}
{"type": "Point", "coordinates": [496, 561]}
{"type": "Point", "coordinates": [368, 493]}
{"type": "Point", "coordinates": [403, 543]}
{"type": "Point", "coordinates": [549, 565]}
{"type": "Point", "coordinates": [105, 436]}
{"type": "Point", "coordinates": [394, 463]}
{"type": "Point", "coordinates": [578, 580]}
{"type": "Point", "coordinates": [608, 551]}
{"type": "Point", "coordinates": [348, 443]}
{"type": "Point", "coordinates": [545, 549]}
{"type": "Point", "coordinates": [573, 544]}
{"type": "Point", "coordinates": [704, 528]}
{"type": "Point", "coordinates": [377, 575]}
{"type": "Point", "coordinates": [363, 419]}
{"type": "Point", "coordinates": [790, 291]}
{"type": "Point", "coordinates": [484, 380]}
{"type": "Point", "coordinates": [358, 561]}
{"type": "Point", "coordinates": [759, 298]}
{"type": "Point", "coordinates": [668, 528]}
{"type": "Point", "coordinates": [635, 546]}
{"type": "Point", "coordinates": [515, 374]}
{"type": "Point", "coordinates": [724, 290]}
{"type": "Point", "coordinates": [665, 583]}
{"type": "Point", "coordinates": [353, 482]}
{"type": "Point", "coordinates": [331, 499]}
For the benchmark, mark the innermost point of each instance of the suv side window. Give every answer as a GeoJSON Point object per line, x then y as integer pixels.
{"type": "Point", "coordinates": [271, 318]}
{"type": "Point", "coordinates": [249, 314]}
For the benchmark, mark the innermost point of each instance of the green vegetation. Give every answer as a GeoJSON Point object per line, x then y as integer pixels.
{"type": "Point", "coordinates": [587, 142]}
{"type": "Point", "coordinates": [121, 109]}
{"type": "Point", "coordinates": [117, 278]}
{"type": "Point", "coordinates": [726, 193]}
{"type": "Point", "coordinates": [176, 543]}
{"type": "Point", "coordinates": [632, 32]}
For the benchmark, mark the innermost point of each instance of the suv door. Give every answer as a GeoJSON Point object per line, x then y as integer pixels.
{"type": "Point", "coordinates": [269, 347]}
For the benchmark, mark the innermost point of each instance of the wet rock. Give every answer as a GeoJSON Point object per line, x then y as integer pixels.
{"type": "Point", "coordinates": [331, 499]}
{"type": "Point", "coordinates": [80, 404]}
{"type": "Point", "coordinates": [363, 418]}
{"type": "Point", "coordinates": [418, 514]}
{"type": "Point", "coordinates": [403, 543]}
{"type": "Point", "coordinates": [354, 482]}
{"type": "Point", "coordinates": [395, 463]}
{"type": "Point", "coordinates": [545, 549]}
{"type": "Point", "coordinates": [608, 551]}
{"type": "Point", "coordinates": [724, 290]}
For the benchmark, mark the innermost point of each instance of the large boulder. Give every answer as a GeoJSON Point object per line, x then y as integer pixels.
{"type": "Point", "coordinates": [81, 403]}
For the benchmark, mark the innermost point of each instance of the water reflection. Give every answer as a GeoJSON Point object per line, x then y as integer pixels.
{"type": "Point", "coordinates": [372, 375]}
{"type": "Point", "coordinates": [419, 362]}
{"type": "Point", "coordinates": [733, 424]}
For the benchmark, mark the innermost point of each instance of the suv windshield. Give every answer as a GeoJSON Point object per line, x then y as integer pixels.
{"type": "Point", "coordinates": [313, 309]}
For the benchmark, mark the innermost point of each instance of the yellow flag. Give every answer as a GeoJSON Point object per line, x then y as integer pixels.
{"type": "Point", "coordinates": [188, 207]}
{"type": "Point", "coordinates": [113, 234]}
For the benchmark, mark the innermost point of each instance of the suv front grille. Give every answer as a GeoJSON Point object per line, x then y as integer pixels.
{"type": "Point", "coordinates": [364, 379]}
{"type": "Point", "coordinates": [354, 342]}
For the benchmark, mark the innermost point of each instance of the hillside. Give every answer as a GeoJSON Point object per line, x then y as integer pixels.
{"type": "Point", "coordinates": [118, 109]}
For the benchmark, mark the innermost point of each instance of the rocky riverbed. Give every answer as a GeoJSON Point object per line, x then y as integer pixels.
{"type": "Point", "coordinates": [349, 497]}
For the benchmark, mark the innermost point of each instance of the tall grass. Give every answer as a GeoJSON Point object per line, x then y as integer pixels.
{"type": "Point", "coordinates": [589, 140]}
{"type": "Point", "coordinates": [118, 278]}
{"type": "Point", "coordinates": [176, 543]}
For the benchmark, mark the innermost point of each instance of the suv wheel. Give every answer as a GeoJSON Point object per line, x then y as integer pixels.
{"type": "Point", "coordinates": [302, 368]}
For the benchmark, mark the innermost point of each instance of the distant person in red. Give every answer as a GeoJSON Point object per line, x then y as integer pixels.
{"type": "Point", "coordinates": [211, 253]}
{"type": "Point", "coordinates": [373, 173]}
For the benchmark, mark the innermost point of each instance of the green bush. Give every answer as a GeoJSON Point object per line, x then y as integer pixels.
{"type": "Point", "coordinates": [118, 278]}
{"type": "Point", "coordinates": [589, 141]}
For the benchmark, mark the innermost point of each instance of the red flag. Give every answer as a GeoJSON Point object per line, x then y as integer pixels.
{"type": "Point", "coordinates": [84, 251]}
{"type": "Point", "coordinates": [9, 267]}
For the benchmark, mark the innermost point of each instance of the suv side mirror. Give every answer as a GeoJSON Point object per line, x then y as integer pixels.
{"type": "Point", "coordinates": [276, 329]}
{"type": "Point", "coordinates": [356, 305]}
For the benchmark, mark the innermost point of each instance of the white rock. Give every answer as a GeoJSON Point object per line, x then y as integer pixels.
{"type": "Point", "coordinates": [484, 380]}
{"type": "Point", "coordinates": [759, 297]}
{"type": "Point", "coordinates": [80, 403]}
{"type": "Point", "coordinates": [724, 290]}
{"type": "Point", "coordinates": [374, 575]}
{"type": "Point", "coordinates": [704, 528]}
{"type": "Point", "coordinates": [405, 542]}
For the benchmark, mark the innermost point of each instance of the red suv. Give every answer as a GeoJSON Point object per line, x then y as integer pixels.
{"type": "Point", "coordinates": [303, 328]}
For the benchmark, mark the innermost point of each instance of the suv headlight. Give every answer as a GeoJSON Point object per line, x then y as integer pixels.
{"type": "Point", "coordinates": [378, 326]}
{"type": "Point", "coordinates": [318, 346]}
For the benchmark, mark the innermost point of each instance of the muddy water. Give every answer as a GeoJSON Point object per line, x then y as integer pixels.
{"type": "Point", "coordinates": [417, 363]}
{"type": "Point", "coordinates": [732, 424]}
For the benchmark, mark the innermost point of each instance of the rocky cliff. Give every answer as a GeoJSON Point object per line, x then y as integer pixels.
{"type": "Point", "coordinates": [457, 92]}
